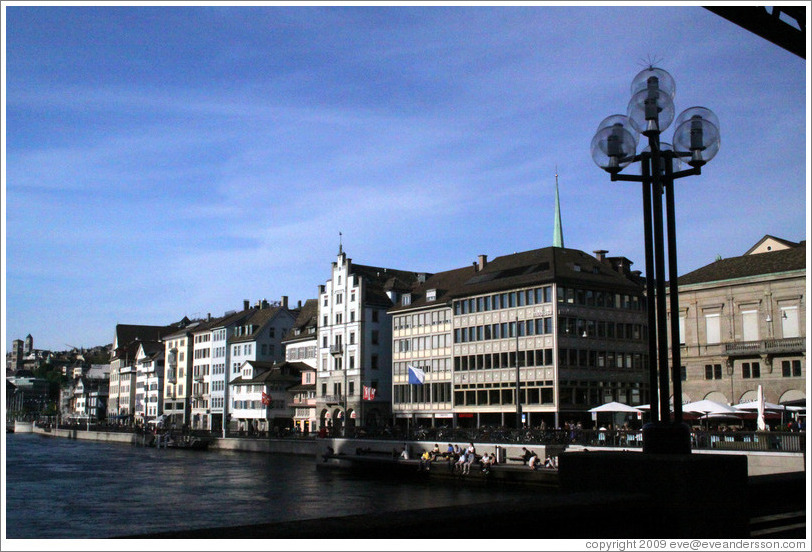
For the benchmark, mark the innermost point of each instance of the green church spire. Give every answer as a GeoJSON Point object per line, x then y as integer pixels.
{"type": "Point", "coordinates": [558, 233]}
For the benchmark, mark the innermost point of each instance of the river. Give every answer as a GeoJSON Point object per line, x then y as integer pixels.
{"type": "Point", "coordinates": [67, 489]}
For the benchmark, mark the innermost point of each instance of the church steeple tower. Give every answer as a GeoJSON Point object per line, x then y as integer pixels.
{"type": "Point", "coordinates": [558, 233]}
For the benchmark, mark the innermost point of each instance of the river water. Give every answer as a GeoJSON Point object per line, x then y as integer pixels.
{"type": "Point", "coordinates": [69, 489]}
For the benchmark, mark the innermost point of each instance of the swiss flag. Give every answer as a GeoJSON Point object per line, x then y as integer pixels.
{"type": "Point", "coordinates": [369, 393]}
{"type": "Point", "coordinates": [266, 400]}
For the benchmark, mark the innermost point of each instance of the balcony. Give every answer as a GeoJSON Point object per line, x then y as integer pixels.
{"type": "Point", "coordinates": [198, 376]}
{"type": "Point", "coordinates": [333, 399]}
{"type": "Point", "coordinates": [337, 349]}
{"type": "Point", "coordinates": [766, 347]}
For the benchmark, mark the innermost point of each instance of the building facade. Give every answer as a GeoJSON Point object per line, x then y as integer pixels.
{"type": "Point", "coordinates": [565, 328]}
{"type": "Point", "coordinates": [355, 343]}
{"type": "Point", "coordinates": [301, 345]}
{"type": "Point", "coordinates": [258, 337]}
{"type": "Point", "coordinates": [743, 324]}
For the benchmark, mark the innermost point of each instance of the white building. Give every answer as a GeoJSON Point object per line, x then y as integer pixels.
{"type": "Point", "coordinates": [261, 400]}
{"type": "Point", "coordinates": [257, 337]}
{"type": "Point", "coordinates": [355, 342]}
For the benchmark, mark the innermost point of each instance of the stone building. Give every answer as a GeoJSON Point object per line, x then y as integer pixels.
{"type": "Point", "coordinates": [742, 324]}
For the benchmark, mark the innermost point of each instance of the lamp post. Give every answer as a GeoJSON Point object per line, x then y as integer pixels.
{"type": "Point", "coordinates": [614, 147]}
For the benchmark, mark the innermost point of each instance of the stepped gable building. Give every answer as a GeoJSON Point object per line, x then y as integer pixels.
{"type": "Point", "coordinates": [743, 324]}
{"type": "Point", "coordinates": [355, 343]}
{"type": "Point", "coordinates": [301, 346]}
{"type": "Point", "coordinates": [575, 324]}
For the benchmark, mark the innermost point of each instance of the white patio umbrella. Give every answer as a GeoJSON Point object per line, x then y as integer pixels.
{"type": "Point", "coordinates": [707, 407]}
{"type": "Point", "coordinates": [614, 407]}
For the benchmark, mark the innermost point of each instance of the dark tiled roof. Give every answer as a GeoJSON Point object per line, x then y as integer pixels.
{"type": "Point", "coordinates": [308, 317]}
{"type": "Point", "coordinates": [381, 280]}
{"type": "Point", "coordinates": [529, 268]}
{"type": "Point", "coordinates": [744, 266]}
{"type": "Point", "coordinates": [259, 317]}
{"type": "Point", "coordinates": [303, 387]}
{"type": "Point", "coordinates": [445, 283]}
{"type": "Point", "coordinates": [269, 372]}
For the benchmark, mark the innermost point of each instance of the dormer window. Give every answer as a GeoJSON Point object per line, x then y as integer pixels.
{"type": "Point", "coordinates": [407, 299]}
{"type": "Point", "coordinates": [576, 268]}
{"type": "Point", "coordinates": [431, 295]}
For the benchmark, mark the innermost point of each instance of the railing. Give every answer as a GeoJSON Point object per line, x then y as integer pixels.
{"type": "Point", "coordinates": [633, 439]}
{"type": "Point", "coordinates": [336, 349]}
{"type": "Point", "coordinates": [790, 344]}
{"type": "Point", "coordinates": [332, 399]}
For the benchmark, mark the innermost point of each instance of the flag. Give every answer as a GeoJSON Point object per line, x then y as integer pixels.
{"type": "Point", "coordinates": [416, 375]}
{"type": "Point", "coordinates": [266, 400]}
{"type": "Point", "coordinates": [369, 393]}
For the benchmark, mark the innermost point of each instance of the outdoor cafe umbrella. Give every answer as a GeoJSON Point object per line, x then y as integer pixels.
{"type": "Point", "coordinates": [707, 407]}
{"type": "Point", "coordinates": [614, 407]}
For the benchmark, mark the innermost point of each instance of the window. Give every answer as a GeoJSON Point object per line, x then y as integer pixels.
{"type": "Point", "coordinates": [352, 388]}
{"type": "Point", "coordinates": [712, 328]}
{"type": "Point", "coordinates": [791, 368]}
{"type": "Point", "coordinates": [374, 362]}
{"type": "Point", "coordinates": [751, 370]}
{"type": "Point", "coordinates": [339, 296]}
{"type": "Point", "coordinates": [789, 322]}
{"type": "Point", "coordinates": [713, 371]}
{"type": "Point", "coordinates": [352, 316]}
{"type": "Point", "coordinates": [681, 330]}
{"type": "Point", "coordinates": [374, 335]}
{"type": "Point", "coordinates": [750, 325]}
{"type": "Point", "coordinates": [374, 315]}
{"type": "Point", "coordinates": [339, 318]}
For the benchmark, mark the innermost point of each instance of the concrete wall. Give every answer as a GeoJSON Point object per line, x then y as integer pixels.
{"type": "Point", "coordinates": [128, 438]}
{"type": "Point", "coordinates": [758, 463]}
{"type": "Point", "coordinates": [279, 446]}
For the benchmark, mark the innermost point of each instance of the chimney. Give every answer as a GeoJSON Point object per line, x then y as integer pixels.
{"type": "Point", "coordinates": [600, 254]}
{"type": "Point", "coordinates": [299, 304]}
{"type": "Point", "coordinates": [245, 304]}
{"type": "Point", "coordinates": [482, 262]}
{"type": "Point", "coordinates": [284, 301]}
{"type": "Point", "coordinates": [476, 266]}
{"type": "Point", "coordinates": [208, 317]}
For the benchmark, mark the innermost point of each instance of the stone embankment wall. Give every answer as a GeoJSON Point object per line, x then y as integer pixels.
{"type": "Point", "coordinates": [758, 463]}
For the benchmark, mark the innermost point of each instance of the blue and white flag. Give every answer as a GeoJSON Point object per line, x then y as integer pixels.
{"type": "Point", "coordinates": [416, 375]}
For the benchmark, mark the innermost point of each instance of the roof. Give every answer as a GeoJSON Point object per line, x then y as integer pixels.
{"type": "Point", "coordinates": [302, 387]}
{"type": "Point", "coordinates": [381, 280]}
{"type": "Point", "coordinates": [443, 282]}
{"type": "Point", "coordinates": [269, 372]}
{"type": "Point", "coordinates": [259, 318]}
{"type": "Point", "coordinates": [539, 266]}
{"type": "Point", "coordinates": [784, 260]}
{"type": "Point", "coordinates": [308, 317]}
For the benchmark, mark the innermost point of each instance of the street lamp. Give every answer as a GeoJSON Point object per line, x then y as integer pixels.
{"type": "Point", "coordinates": [613, 148]}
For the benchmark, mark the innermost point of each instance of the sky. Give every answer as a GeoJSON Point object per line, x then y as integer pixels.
{"type": "Point", "coordinates": [171, 161]}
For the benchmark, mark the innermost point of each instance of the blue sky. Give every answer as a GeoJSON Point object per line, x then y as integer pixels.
{"type": "Point", "coordinates": [163, 162]}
